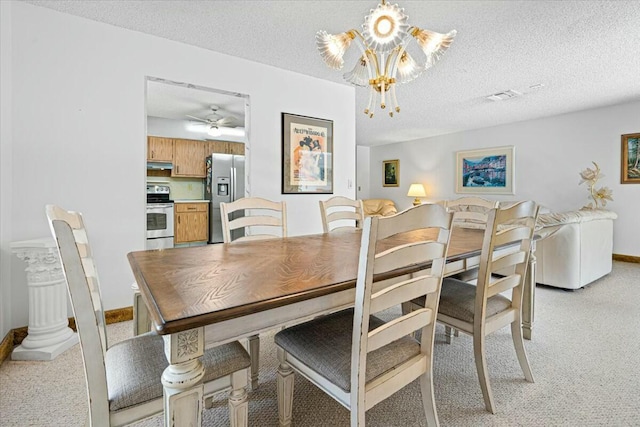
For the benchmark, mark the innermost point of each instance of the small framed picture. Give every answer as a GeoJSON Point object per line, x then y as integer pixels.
{"type": "Point", "coordinates": [390, 173]}
{"type": "Point", "coordinates": [630, 159]}
{"type": "Point", "coordinates": [486, 171]}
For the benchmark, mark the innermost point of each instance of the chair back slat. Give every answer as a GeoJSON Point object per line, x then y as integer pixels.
{"type": "Point", "coordinates": [503, 284]}
{"type": "Point", "coordinates": [86, 303]}
{"type": "Point", "coordinates": [405, 290]}
{"type": "Point", "coordinates": [407, 255]}
{"type": "Point", "coordinates": [512, 234]}
{"type": "Point", "coordinates": [341, 212]}
{"type": "Point", "coordinates": [382, 250]}
{"type": "Point", "coordinates": [507, 260]}
{"type": "Point", "coordinates": [343, 215]}
{"type": "Point", "coordinates": [412, 222]}
{"type": "Point", "coordinates": [259, 218]}
{"type": "Point", "coordinates": [398, 328]}
{"type": "Point", "coordinates": [256, 220]}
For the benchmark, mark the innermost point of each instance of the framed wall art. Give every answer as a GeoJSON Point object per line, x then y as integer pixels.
{"type": "Point", "coordinates": [307, 155]}
{"type": "Point", "coordinates": [486, 171]}
{"type": "Point", "coordinates": [390, 173]}
{"type": "Point", "coordinates": [630, 159]}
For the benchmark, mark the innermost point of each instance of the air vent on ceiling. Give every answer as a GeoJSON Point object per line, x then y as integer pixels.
{"type": "Point", "coordinates": [502, 96]}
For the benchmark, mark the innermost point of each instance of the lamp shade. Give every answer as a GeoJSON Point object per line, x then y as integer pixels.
{"type": "Point", "coordinates": [417, 190]}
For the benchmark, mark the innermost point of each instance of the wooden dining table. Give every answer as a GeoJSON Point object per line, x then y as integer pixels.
{"type": "Point", "coordinates": [209, 295]}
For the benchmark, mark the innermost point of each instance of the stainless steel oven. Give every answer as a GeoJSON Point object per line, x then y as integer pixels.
{"type": "Point", "coordinates": [159, 217]}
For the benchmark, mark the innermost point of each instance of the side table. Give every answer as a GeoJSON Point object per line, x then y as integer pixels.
{"type": "Point", "coordinates": [49, 334]}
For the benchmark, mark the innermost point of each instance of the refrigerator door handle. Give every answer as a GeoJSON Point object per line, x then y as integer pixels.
{"type": "Point", "coordinates": [233, 184]}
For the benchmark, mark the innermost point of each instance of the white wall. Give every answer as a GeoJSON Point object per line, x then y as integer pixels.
{"type": "Point", "coordinates": [550, 154]}
{"type": "Point", "coordinates": [5, 168]}
{"type": "Point", "coordinates": [79, 136]}
{"type": "Point", "coordinates": [363, 159]}
{"type": "Point", "coordinates": [158, 126]}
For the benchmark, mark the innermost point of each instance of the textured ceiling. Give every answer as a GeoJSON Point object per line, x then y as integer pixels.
{"type": "Point", "coordinates": [586, 54]}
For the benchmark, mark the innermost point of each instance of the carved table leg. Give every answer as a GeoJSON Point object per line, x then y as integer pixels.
{"type": "Point", "coordinates": [529, 293]}
{"type": "Point", "coordinates": [182, 379]}
{"type": "Point", "coordinates": [285, 390]}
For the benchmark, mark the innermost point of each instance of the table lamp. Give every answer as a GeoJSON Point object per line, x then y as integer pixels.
{"type": "Point", "coordinates": [417, 191]}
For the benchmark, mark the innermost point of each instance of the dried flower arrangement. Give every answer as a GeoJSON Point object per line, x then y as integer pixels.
{"type": "Point", "coordinates": [600, 195]}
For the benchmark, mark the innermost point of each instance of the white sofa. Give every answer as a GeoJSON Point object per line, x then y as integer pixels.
{"type": "Point", "coordinates": [576, 247]}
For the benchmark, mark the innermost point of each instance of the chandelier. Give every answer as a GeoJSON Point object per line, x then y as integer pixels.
{"type": "Point", "coordinates": [384, 61]}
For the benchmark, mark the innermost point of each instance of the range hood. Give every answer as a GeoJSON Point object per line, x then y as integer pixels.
{"type": "Point", "coordinates": [159, 165]}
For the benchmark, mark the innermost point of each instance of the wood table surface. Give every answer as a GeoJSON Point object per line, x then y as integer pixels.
{"type": "Point", "coordinates": [185, 288]}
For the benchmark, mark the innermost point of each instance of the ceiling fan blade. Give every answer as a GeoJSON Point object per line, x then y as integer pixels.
{"type": "Point", "coordinates": [228, 121]}
{"type": "Point", "coordinates": [198, 118]}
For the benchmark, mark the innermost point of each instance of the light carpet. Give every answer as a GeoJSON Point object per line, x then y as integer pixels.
{"type": "Point", "coordinates": [585, 357]}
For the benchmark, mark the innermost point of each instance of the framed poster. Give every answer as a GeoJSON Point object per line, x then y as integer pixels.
{"type": "Point", "coordinates": [390, 173]}
{"type": "Point", "coordinates": [486, 171]}
{"type": "Point", "coordinates": [630, 159]}
{"type": "Point", "coordinates": [307, 155]}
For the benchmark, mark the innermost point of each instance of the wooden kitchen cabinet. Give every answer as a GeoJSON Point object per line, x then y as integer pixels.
{"type": "Point", "coordinates": [159, 149]}
{"type": "Point", "coordinates": [224, 147]}
{"type": "Point", "coordinates": [188, 158]}
{"type": "Point", "coordinates": [236, 148]}
{"type": "Point", "coordinates": [191, 222]}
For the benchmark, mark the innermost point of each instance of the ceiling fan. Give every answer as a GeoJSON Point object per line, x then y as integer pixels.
{"type": "Point", "coordinates": [216, 120]}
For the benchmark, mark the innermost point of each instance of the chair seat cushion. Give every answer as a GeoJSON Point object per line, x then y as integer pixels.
{"type": "Point", "coordinates": [324, 345]}
{"type": "Point", "coordinates": [458, 299]}
{"type": "Point", "coordinates": [134, 368]}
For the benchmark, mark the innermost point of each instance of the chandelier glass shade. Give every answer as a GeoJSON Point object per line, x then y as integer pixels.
{"type": "Point", "coordinates": [384, 61]}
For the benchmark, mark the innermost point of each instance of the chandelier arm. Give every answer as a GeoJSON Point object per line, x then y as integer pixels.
{"type": "Point", "coordinates": [402, 49]}
{"type": "Point", "coordinates": [369, 54]}
{"type": "Point", "coordinates": [372, 96]}
{"type": "Point", "coordinates": [394, 101]}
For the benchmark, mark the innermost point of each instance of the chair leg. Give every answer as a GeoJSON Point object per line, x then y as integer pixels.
{"type": "Point", "coordinates": [141, 319]}
{"type": "Point", "coordinates": [483, 372]}
{"type": "Point", "coordinates": [238, 403]}
{"type": "Point", "coordinates": [518, 343]}
{"type": "Point", "coordinates": [428, 397]}
{"type": "Point", "coordinates": [357, 415]}
{"type": "Point", "coordinates": [254, 353]}
{"type": "Point", "coordinates": [448, 333]}
{"type": "Point", "coordinates": [285, 390]}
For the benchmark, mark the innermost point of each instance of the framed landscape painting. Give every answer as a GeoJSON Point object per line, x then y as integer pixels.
{"type": "Point", "coordinates": [630, 159]}
{"type": "Point", "coordinates": [307, 155]}
{"type": "Point", "coordinates": [486, 171]}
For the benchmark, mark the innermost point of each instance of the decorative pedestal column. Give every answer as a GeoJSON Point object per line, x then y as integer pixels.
{"type": "Point", "coordinates": [49, 334]}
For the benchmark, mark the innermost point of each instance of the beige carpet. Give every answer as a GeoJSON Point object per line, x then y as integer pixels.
{"type": "Point", "coordinates": [585, 357]}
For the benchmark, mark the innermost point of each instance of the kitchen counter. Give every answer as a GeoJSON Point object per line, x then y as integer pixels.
{"type": "Point", "coordinates": [191, 201]}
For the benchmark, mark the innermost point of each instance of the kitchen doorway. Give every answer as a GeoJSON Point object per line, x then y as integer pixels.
{"type": "Point", "coordinates": [185, 115]}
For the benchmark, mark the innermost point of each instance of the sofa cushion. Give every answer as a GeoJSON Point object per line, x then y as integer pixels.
{"type": "Point", "coordinates": [381, 207]}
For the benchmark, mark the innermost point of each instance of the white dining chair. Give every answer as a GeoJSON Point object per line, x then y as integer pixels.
{"type": "Point", "coordinates": [483, 309]}
{"type": "Point", "coordinates": [254, 218]}
{"type": "Point", "coordinates": [341, 212]}
{"type": "Point", "coordinates": [356, 357]}
{"type": "Point", "coordinates": [468, 212]}
{"type": "Point", "coordinates": [250, 219]}
{"type": "Point", "coordinates": [123, 380]}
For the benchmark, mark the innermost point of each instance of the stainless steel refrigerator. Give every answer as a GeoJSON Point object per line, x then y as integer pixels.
{"type": "Point", "coordinates": [224, 183]}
